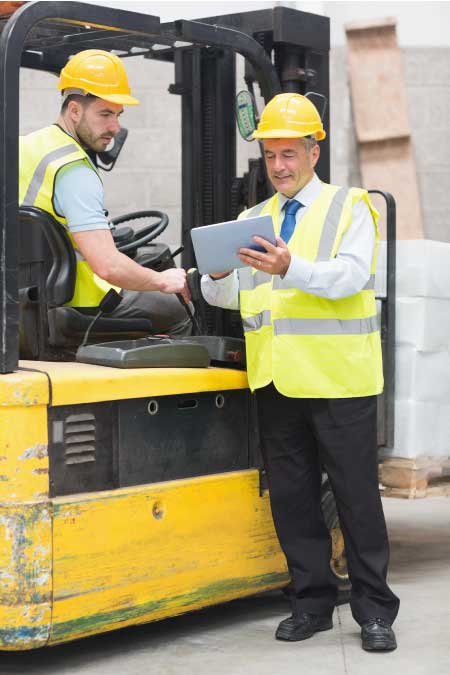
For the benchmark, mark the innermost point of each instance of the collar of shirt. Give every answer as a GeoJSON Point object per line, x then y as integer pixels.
{"type": "Point", "coordinates": [307, 195]}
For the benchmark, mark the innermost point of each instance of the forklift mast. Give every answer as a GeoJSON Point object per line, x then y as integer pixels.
{"type": "Point", "coordinates": [297, 46]}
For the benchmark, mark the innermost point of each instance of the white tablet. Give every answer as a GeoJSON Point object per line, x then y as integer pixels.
{"type": "Point", "coordinates": [216, 246]}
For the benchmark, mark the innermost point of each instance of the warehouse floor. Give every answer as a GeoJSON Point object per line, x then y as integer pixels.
{"type": "Point", "coordinates": [237, 639]}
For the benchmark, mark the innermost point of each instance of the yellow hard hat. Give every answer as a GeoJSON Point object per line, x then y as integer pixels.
{"type": "Point", "coordinates": [290, 116]}
{"type": "Point", "coordinates": [100, 73]}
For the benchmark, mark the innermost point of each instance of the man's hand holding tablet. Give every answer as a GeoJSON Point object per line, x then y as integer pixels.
{"type": "Point", "coordinates": [269, 258]}
{"type": "Point", "coordinates": [218, 247]}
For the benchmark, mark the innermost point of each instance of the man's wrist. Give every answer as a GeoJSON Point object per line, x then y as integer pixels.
{"type": "Point", "coordinates": [156, 281]}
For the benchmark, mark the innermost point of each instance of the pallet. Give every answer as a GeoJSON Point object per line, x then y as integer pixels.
{"type": "Point", "coordinates": [380, 113]}
{"type": "Point", "coordinates": [415, 478]}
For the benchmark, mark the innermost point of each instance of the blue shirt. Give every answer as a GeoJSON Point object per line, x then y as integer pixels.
{"type": "Point", "coordinates": [78, 197]}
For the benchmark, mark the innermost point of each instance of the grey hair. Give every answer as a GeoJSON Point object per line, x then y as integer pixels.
{"type": "Point", "coordinates": [309, 142]}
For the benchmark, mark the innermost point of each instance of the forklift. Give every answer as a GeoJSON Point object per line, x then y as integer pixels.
{"type": "Point", "coordinates": [131, 486]}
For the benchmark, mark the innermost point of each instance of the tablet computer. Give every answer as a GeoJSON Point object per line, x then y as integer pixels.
{"type": "Point", "coordinates": [216, 246]}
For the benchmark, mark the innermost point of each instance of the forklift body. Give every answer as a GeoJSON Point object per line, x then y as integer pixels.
{"type": "Point", "coordinates": [132, 494]}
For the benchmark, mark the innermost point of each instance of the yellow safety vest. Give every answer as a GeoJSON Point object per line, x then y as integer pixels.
{"type": "Point", "coordinates": [41, 155]}
{"type": "Point", "coordinates": [312, 347]}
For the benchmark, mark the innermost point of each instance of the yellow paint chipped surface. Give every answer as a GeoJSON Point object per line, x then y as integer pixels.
{"type": "Point", "coordinates": [23, 388]}
{"type": "Point", "coordinates": [166, 549]}
{"type": "Point", "coordinates": [23, 437]}
{"type": "Point", "coordinates": [25, 575]}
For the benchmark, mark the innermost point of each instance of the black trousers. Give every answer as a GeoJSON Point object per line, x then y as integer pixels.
{"type": "Point", "coordinates": [298, 437]}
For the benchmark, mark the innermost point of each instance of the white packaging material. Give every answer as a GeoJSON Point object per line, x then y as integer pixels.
{"type": "Point", "coordinates": [422, 352]}
{"type": "Point", "coordinates": [443, 430]}
{"type": "Point", "coordinates": [422, 376]}
{"type": "Point", "coordinates": [422, 269]}
{"type": "Point", "coordinates": [421, 430]}
{"type": "Point", "coordinates": [416, 430]}
{"type": "Point", "coordinates": [423, 323]}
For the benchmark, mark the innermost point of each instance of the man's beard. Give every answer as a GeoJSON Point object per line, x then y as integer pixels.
{"type": "Point", "coordinates": [87, 139]}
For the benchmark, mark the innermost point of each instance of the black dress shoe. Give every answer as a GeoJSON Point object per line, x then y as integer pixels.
{"type": "Point", "coordinates": [302, 626]}
{"type": "Point", "coordinates": [377, 636]}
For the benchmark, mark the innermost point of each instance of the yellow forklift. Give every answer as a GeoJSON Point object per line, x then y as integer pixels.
{"type": "Point", "coordinates": [131, 486]}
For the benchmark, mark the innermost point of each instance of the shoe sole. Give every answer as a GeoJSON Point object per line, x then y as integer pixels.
{"type": "Point", "coordinates": [380, 648]}
{"type": "Point", "coordinates": [288, 637]}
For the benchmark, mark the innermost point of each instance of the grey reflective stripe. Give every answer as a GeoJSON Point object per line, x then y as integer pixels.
{"type": "Point", "coordinates": [254, 322]}
{"type": "Point", "coordinates": [247, 282]}
{"type": "Point", "coordinates": [325, 326]}
{"type": "Point", "coordinates": [370, 284]}
{"type": "Point", "coordinates": [39, 174]}
{"type": "Point", "coordinates": [277, 283]}
{"type": "Point", "coordinates": [331, 224]}
{"type": "Point", "coordinates": [78, 255]}
{"type": "Point", "coordinates": [256, 210]}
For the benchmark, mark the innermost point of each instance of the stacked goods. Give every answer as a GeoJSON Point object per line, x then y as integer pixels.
{"type": "Point", "coordinates": [421, 453]}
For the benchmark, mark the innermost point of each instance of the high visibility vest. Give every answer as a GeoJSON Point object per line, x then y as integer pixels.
{"type": "Point", "coordinates": [41, 155]}
{"type": "Point", "coordinates": [309, 346]}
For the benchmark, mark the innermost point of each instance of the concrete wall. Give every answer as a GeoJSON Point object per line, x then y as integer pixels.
{"type": "Point", "coordinates": [147, 174]}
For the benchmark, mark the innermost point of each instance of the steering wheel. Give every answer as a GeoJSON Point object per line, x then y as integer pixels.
{"type": "Point", "coordinates": [127, 240]}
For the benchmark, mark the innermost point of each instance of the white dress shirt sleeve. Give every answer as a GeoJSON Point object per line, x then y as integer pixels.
{"type": "Point", "coordinates": [348, 272]}
{"type": "Point", "coordinates": [221, 292]}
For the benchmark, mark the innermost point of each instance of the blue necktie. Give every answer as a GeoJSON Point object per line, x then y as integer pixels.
{"type": "Point", "coordinates": [288, 225]}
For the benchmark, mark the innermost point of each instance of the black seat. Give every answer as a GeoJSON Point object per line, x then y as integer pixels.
{"type": "Point", "coordinates": [47, 271]}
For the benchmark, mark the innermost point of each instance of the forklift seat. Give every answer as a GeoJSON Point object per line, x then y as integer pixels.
{"type": "Point", "coordinates": [47, 270]}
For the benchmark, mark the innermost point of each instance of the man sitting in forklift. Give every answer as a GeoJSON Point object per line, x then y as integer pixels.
{"type": "Point", "coordinates": [58, 173]}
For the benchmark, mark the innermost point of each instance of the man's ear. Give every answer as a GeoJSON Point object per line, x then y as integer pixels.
{"type": "Point", "coordinates": [315, 154]}
{"type": "Point", "coordinates": [75, 110]}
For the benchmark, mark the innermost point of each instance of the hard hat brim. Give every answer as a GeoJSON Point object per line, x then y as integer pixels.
{"type": "Point", "coordinates": [288, 133]}
{"type": "Point", "coordinates": [120, 99]}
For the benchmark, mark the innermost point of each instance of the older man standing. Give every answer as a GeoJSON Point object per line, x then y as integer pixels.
{"type": "Point", "coordinates": [314, 361]}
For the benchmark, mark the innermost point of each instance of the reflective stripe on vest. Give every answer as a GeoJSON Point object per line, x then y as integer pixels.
{"type": "Point", "coordinates": [331, 225]}
{"type": "Point", "coordinates": [370, 285]}
{"type": "Point", "coordinates": [325, 326]}
{"type": "Point", "coordinates": [249, 281]}
{"type": "Point", "coordinates": [256, 322]}
{"type": "Point", "coordinates": [39, 174]}
{"type": "Point", "coordinates": [311, 326]}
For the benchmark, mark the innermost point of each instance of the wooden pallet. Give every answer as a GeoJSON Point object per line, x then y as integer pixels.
{"type": "Point", "coordinates": [380, 113]}
{"type": "Point", "coordinates": [416, 478]}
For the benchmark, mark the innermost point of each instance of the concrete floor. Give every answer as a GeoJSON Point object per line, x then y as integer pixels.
{"type": "Point", "coordinates": [237, 638]}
